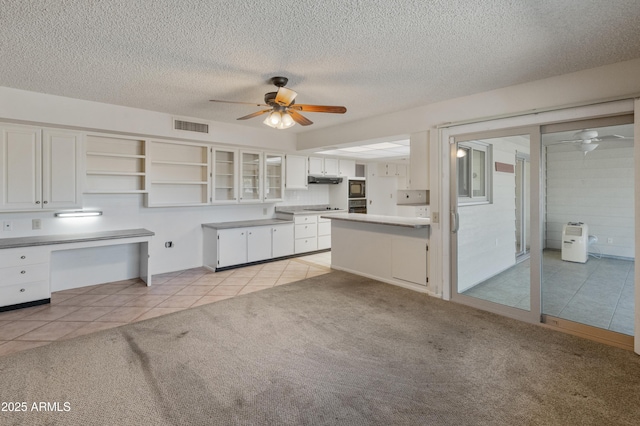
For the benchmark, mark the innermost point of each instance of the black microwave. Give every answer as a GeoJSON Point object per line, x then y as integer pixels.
{"type": "Point", "coordinates": [357, 189]}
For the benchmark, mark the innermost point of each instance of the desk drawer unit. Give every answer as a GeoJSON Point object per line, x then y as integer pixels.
{"type": "Point", "coordinates": [17, 294]}
{"type": "Point", "coordinates": [17, 257]}
{"type": "Point", "coordinates": [24, 277]}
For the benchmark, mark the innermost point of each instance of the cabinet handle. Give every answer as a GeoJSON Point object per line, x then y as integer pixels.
{"type": "Point", "coordinates": [22, 290]}
{"type": "Point", "coordinates": [23, 257]}
{"type": "Point", "coordinates": [23, 272]}
{"type": "Point", "coordinates": [37, 202]}
{"type": "Point", "coordinates": [46, 202]}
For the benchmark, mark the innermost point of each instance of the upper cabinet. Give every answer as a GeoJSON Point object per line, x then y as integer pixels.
{"type": "Point", "coordinates": [296, 173]}
{"type": "Point", "coordinates": [178, 174]}
{"type": "Point", "coordinates": [41, 168]}
{"type": "Point", "coordinates": [225, 176]}
{"type": "Point", "coordinates": [250, 177]}
{"type": "Point", "coordinates": [115, 165]}
{"type": "Point", "coordinates": [319, 166]}
{"type": "Point", "coordinates": [419, 161]}
{"type": "Point", "coordinates": [273, 177]}
{"type": "Point", "coordinates": [347, 168]}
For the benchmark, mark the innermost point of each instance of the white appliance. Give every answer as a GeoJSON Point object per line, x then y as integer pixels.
{"type": "Point", "coordinates": [575, 242]}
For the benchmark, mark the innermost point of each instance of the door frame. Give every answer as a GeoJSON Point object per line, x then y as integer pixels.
{"type": "Point", "coordinates": [535, 212]}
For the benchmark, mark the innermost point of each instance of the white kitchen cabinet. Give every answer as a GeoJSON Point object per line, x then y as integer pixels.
{"type": "Point", "coordinates": [319, 166]}
{"type": "Point", "coordinates": [232, 247]}
{"type": "Point", "coordinates": [178, 174]}
{"type": "Point", "coordinates": [224, 174]}
{"type": "Point", "coordinates": [250, 177]}
{"type": "Point", "coordinates": [25, 276]}
{"type": "Point", "coordinates": [409, 260]}
{"type": "Point", "coordinates": [273, 177]}
{"type": "Point", "coordinates": [41, 169]}
{"type": "Point", "coordinates": [258, 243]}
{"type": "Point", "coordinates": [115, 165]}
{"type": "Point", "coordinates": [346, 168]}
{"type": "Point", "coordinates": [296, 172]}
{"type": "Point", "coordinates": [331, 167]}
{"type": "Point", "coordinates": [419, 161]}
{"type": "Point", "coordinates": [324, 233]}
{"type": "Point", "coordinates": [282, 240]}
{"type": "Point", "coordinates": [306, 233]}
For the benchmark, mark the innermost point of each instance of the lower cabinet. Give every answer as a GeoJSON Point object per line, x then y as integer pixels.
{"type": "Point", "coordinates": [237, 246]}
{"type": "Point", "coordinates": [324, 233]}
{"type": "Point", "coordinates": [306, 233]}
{"type": "Point", "coordinates": [25, 276]}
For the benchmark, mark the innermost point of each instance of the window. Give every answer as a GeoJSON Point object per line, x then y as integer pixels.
{"type": "Point", "coordinates": [474, 179]}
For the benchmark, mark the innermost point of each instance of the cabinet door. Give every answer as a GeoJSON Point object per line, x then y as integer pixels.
{"type": "Point", "coordinates": [250, 177]}
{"type": "Point", "coordinates": [258, 243]}
{"type": "Point", "coordinates": [282, 240]}
{"type": "Point", "coordinates": [61, 170]}
{"type": "Point", "coordinates": [21, 161]}
{"type": "Point", "coordinates": [224, 188]}
{"type": "Point", "coordinates": [390, 169]}
{"type": "Point", "coordinates": [331, 167]}
{"type": "Point", "coordinates": [273, 177]}
{"type": "Point", "coordinates": [296, 175]}
{"type": "Point", "coordinates": [316, 166]}
{"type": "Point", "coordinates": [232, 247]}
{"type": "Point", "coordinates": [347, 168]}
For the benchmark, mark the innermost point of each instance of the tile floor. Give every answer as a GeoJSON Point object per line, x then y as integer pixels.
{"type": "Point", "coordinates": [89, 309]}
{"type": "Point", "coordinates": [598, 293]}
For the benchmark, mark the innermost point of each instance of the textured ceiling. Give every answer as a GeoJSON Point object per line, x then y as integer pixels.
{"type": "Point", "coordinates": [371, 56]}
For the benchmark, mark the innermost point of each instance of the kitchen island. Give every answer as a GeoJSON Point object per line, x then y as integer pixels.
{"type": "Point", "coordinates": [391, 249]}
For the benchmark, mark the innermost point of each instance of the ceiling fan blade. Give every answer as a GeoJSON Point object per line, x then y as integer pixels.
{"type": "Point", "coordinates": [300, 119]}
{"type": "Point", "coordinates": [561, 142]}
{"type": "Point", "coordinates": [255, 114]}
{"type": "Point", "coordinates": [320, 108]}
{"type": "Point", "coordinates": [285, 96]}
{"type": "Point", "coordinates": [611, 137]}
{"type": "Point", "coordinates": [240, 103]}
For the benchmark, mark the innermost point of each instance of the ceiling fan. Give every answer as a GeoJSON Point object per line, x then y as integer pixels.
{"type": "Point", "coordinates": [283, 111]}
{"type": "Point", "coordinates": [586, 140]}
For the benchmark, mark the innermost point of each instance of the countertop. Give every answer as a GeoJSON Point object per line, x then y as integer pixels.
{"type": "Point", "coordinates": [246, 223]}
{"type": "Point", "coordinates": [301, 210]}
{"type": "Point", "coordinates": [46, 240]}
{"type": "Point", "coordinates": [409, 222]}
{"type": "Point", "coordinates": [414, 204]}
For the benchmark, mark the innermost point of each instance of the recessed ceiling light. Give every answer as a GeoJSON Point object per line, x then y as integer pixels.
{"type": "Point", "coordinates": [356, 149]}
{"type": "Point", "coordinates": [383, 145]}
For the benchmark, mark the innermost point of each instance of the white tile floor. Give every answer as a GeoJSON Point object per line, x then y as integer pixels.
{"type": "Point", "coordinates": [599, 293]}
{"type": "Point", "coordinates": [89, 309]}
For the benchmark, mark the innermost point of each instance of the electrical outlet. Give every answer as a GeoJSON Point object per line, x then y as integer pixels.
{"type": "Point", "coordinates": [435, 217]}
{"type": "Point", "coordinates": [168, 244]}
{"type": "Point", "coordinates": [7, 225]}
{"type": "Point", "coordinates": [36, 224]}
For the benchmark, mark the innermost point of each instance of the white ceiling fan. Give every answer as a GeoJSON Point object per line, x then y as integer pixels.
{"type": "Point", "coordinates": [587, 140]}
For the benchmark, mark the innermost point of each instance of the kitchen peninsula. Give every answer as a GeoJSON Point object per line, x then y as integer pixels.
{"type": "Point", "coordinates": [391, 249]}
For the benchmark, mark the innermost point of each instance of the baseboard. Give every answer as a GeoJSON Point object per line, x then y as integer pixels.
{"type": "Point", "coordinates": [399, 283]}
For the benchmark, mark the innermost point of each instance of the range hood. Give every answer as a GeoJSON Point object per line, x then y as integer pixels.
{"type": "Point", "coordinates": [324, 180]}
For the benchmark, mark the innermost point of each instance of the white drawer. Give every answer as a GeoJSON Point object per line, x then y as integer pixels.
{"type": "Point", "coordinates": [22, 293]}
{"type": "Point", "coordinates": [324, 228]}
{"type": "Point", "coordinates": [24, 274]}
{"type": "Point", "coordinates": [324, 242]}
{"type": "Point", "coordinates": [304, 245]}
{"type": "Point", "coordinates": [306, 231]}
{"type": "Point", "coordinates": [16, 257]}
{"type": "Point", "coordinates": [307, 218]}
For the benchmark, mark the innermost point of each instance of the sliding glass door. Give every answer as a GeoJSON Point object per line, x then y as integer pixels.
{"type": "Point", "coordinates": [495, 208]}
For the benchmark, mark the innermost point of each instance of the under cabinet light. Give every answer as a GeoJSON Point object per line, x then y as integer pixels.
{"type": "Point", "coordinates": [78, 214]}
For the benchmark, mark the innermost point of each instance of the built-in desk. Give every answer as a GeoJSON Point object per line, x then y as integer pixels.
{"type": "Point", "coordinates": [26, 266]}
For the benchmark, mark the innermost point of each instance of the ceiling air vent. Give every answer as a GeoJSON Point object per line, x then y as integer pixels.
{"type": "Point", "coordinates": [190, 126]}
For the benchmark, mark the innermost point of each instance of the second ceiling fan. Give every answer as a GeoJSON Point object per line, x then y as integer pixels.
{"type": "Point", "coordinates": [283, 111]}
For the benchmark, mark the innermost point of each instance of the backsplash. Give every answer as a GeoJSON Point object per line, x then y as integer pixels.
{"type": "Point", "coordinates": [412, 197]}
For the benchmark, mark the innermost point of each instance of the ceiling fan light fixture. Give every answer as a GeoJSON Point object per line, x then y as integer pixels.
{"type": "Point", "coordinates": [587, 147]}
{"type": "Point", "coordinates": [287, 121]}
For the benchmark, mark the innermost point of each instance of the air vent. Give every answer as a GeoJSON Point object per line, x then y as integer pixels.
{"type": "Point", "coordinates": [190, 126]}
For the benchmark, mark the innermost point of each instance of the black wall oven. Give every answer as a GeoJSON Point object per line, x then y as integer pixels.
{"type": "Point", "coordinates": [357, 189]}
{"type": "Point", "coordinates": [358, 206]}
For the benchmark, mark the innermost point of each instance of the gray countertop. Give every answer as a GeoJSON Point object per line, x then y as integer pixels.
{"type": "Point", "coordinates": [45, 240]}
{"type": "Point", "coordinates": [413, 204]}
{"type": "Point", "coordinates": [246, 223]}
{"type": "Point", "coordinates": [409, 222]}
{"type": "Point", "coordinates": [301, 210]}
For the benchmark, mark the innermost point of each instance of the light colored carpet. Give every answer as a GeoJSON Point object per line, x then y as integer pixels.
{"type": "Point", "coordinates": [334, 349]}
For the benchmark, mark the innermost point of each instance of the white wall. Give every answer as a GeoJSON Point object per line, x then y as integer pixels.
{"type": "Point", "coordinates": [486, 238]}
{"type": "Point", "coordinates": [596, 189]}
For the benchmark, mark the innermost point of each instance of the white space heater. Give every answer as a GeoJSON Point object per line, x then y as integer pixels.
{"type": "Point", "coordinates": [575, 242]}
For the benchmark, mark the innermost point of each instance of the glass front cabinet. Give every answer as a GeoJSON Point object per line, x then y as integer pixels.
{"type": "Point", "coordinates": [225, 171]}
{"type": "Point", "coordinates": [273, 177]}
{"type": "Point", "coordinates": [250, 177]}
